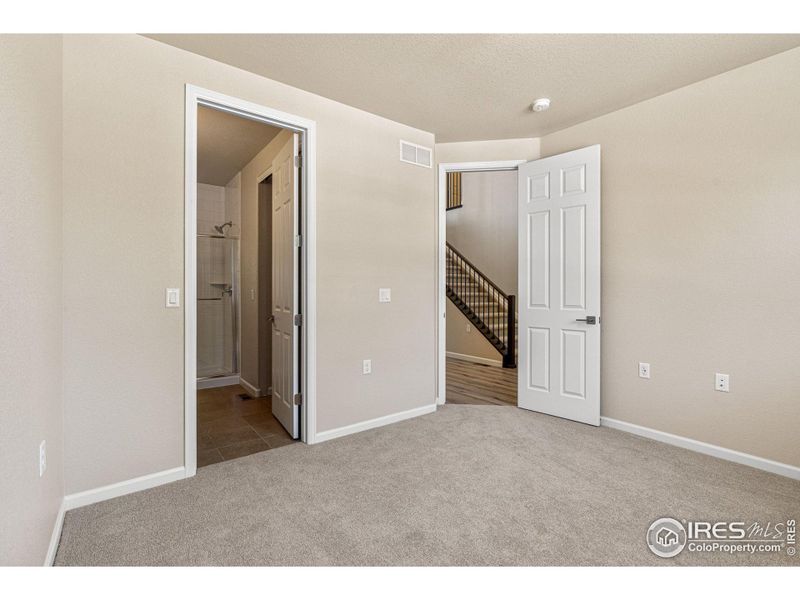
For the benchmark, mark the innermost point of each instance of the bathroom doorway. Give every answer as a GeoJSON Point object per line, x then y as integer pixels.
{"type": "Point", "coordinates": [290, 157]}
{"type": "Point", "coordinates": [236, 280]}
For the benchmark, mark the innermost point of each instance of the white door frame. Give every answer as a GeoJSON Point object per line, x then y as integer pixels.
{"type": "Point", "coordinates": [196, 96]}
{"type": "Point", "coordinates": [441, 238]}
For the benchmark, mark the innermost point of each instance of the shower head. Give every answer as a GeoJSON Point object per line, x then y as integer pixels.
{"type": "Point", "coordinates": [221, 228]}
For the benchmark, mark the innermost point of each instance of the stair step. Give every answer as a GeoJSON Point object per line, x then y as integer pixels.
{"type": "Point", "coordinates": [500, 327]}
{"type": "Point", "coordinates": [478, 299]}
{"type": "Point", "coordinates": [486, 303]}
{"type": "Point", "coordinates": [484, 312]}
{"type": "Point", "coordinates": [474, 293]}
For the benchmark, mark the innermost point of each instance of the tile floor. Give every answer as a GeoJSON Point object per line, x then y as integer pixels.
{"type": "Point", "coordinates": [229, 427]}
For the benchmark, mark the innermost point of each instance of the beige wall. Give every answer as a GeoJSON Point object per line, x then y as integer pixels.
{"type": "Point", "coordinates": [250, 281]}
{"type": "Point", "coordinates": [123, 244]}
{"type": "Point", "coordinates": [30, 303]}
{"type": "Point", "coordinates": [462, 337]}
{"type": "Point", "coordinates": [701, 257]}
{"type": "Point", "coordinates": [514, 149]}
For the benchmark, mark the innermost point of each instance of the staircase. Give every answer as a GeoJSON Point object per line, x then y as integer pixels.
{"type": "Point", "coordinates": [488, 308]}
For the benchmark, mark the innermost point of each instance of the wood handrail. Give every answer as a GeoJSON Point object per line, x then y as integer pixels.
{"type": "Point", "coordinates": [477, 270]}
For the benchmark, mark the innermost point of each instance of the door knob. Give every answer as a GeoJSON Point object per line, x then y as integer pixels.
{"type": "Point", "coordinates": [589, 320]}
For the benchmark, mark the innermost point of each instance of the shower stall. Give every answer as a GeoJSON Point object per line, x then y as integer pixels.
{"type": "Point", "coordinates": [217, 306]}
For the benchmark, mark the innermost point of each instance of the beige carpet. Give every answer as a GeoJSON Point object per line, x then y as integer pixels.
{"type": "Point", "coordinates": [467, 485]}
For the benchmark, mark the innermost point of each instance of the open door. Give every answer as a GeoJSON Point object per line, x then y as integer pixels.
{"type": "Point", "coordinates": [559, 286]}
{"type": "Point", "coordinates": [285, 292]}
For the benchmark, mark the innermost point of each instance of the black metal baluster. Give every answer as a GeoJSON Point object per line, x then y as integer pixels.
{"type": "Point", "coordinates": [483, 302]}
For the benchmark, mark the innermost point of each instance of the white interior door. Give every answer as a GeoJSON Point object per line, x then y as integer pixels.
{"type": "Point", "coordinates": [285, 254]}
{"type": "Point", "coordinates": [559, 285]}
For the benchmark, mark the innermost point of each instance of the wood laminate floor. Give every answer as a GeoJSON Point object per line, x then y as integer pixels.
{"type": "Point", "coordinates": [471, 383]}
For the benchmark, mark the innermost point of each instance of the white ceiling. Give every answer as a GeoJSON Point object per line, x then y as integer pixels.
{"type": "Point", "coordinates": [226, 143]}
{"type": "Point", "coordinates": [479, 87]}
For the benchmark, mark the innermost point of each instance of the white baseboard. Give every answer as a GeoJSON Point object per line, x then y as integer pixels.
{"type": "Point", "coordinates": [331, 434]}
{"type": "Point", "coordinates": [214, 382]}
{"type": "Point", "coordinates": [251, 389]}
{"type": "Point", "coordinates": [55, 537]}
{"type": "Point", "coordinates": [741, 458]}
{"type": "Point", "coordinates": [123, 487]}
{"type": "Point", "coordinates": [475, 359]}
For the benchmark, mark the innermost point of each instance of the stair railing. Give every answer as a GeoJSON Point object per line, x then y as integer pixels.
{"type": "Point", "coordinates": [483, 302]}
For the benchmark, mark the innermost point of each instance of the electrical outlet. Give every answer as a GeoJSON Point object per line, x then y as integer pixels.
{"type": "Point", "coordinates": [366, 368]}
{"type": "Point", "coordinates": [644, 370]}
{"type": "Point", "coordinates": [42, 458]}
{"type": "Point", "coordinates": [469, 327]}
{"type": "Point", "coordinates": [722, 382]}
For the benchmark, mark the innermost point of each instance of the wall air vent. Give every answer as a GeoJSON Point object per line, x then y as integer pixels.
{"type": "Point", "coordinates": [416, 155]}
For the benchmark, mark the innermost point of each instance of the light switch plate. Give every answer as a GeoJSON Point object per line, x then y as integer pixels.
{"type": "Point", "coordinates": [173, 297]}
{"type": "Point", "coordinates": [366, 368]}
{"type": "Point", "coordinates": [384, 294]}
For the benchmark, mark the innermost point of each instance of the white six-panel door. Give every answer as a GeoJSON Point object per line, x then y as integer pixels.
{"type": "Point", "coordinates": [559, 285]}
{"type": "Point", "coordinates": [285, 380]}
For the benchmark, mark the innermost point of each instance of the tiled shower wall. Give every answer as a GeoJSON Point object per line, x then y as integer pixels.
{"type": "Point", "coordinates": [215, 339]}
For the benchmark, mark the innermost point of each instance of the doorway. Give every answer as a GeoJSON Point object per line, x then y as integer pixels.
{"type": "Point", "coordinates": [258, 288]}
{"type": "Point", "coordinates": [477, 299]}
{"type": "Point", "coordinates": [558, 276]}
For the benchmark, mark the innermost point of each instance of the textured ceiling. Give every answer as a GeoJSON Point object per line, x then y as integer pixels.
{"type": "Point", "coordinates": [479, 87]}
{"type": "Point", "coordinates": [226, 143]}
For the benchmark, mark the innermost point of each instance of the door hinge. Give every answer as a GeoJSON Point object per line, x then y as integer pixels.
{"type": "Point", "coordinates": [297, 161]}
{"type": "Point", "coordinates": [298, 240]}
{"type": "Point", "coordinates": [298, 399]}
{"type": "Point", "coordinates": [298, 320]}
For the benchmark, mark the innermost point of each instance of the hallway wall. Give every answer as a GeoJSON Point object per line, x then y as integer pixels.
{"type": "Point", "coordinates": [253, 353]}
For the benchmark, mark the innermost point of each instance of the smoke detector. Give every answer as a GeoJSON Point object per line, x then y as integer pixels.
{"type": "Point", "coordinates": [540, 104]}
